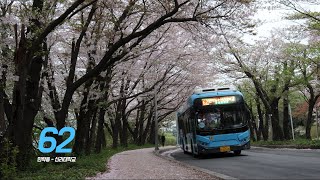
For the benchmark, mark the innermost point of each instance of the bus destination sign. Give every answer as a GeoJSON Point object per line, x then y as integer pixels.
{"type": "Point", "coordinates": [218, 100]}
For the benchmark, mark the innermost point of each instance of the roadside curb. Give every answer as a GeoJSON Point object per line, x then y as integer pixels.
{"type": "Point", "coordinates": [170, 158]}
{"type": "Point", "coordinates": [160, 151]}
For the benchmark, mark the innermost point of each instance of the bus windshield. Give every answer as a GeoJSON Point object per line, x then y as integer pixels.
{"type": "Point", "coordinates": [228, 117]}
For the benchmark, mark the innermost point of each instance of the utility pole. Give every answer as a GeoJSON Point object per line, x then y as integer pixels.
{"type": "Point", "coordinates": [317, 118]}
{"type": "Point", "coordinates": [156, 140]}
{"type": "Point", "coordinates": [317, 115]}
{"type": "Point", "coordinates": [270, 131]}
{"type": "Point", "coordinates": [177, 130]}
{"type": "Point", "coordinates": [292, 130]}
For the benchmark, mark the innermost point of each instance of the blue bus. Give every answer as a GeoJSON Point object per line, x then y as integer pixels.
{"type": "Point", "coordinates": [214, 120]}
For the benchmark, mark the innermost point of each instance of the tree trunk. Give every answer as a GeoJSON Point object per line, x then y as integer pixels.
{"type": "Point", "coordinates": [141, 137]}
{"type": "Point", "coordinates": [104, 86]}
{"type": "Point", "coordinates": [148, 126]}
{"type": "Point", "coordinates": [251, 129]}
{"type": "Point", "coordinates": [92, 133]}
{"type": "Point", "coordinates": [78, 142]}
{"type": "Point", "coordinates": [80, 132]}
{"type": "Point", "coordinates": [25, 109]}
{"type": "Point", "coordinates": [252, 124]}
{"type": "Point", "coordinates": [3, 80]}
{"type": "Point", "coordinates": [117, 126]}
{"type": "Point", "coordinates": [134, 132]}
{"type": "Point", "coordinates": [311, 102]}
{"type": "Point", "coordinates": [2, 114]}
{"type": "Point", "coordinates": [2, 99]}
{"type": "Point", "coordinates": [88, 118]}
{"type": "Point", "coordinates": [26, 99]}
{"type": "Point", "coordinates": [151, 139]}
{"type": "Point", "coordinates": [9, 115]}
{"type": "Point", "coordinates": [62, 114]}
{"type": "Point", "coordinates": [100, 132]}
{"type": "Point", "coordinates": [276, 128]}
{"type": "Point", "coordinates": [124, 139]}
{"type": "Point", "coordinates": [124, 129]}
{"type": "Point", "coordinates": [265, 132]}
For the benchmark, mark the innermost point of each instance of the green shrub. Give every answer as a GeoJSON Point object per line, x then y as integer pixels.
{"type": "Point", "coordinates": [8, 154]}
{"type": "Point", "coordinates": [170, 139]}
{"type": "Point", "coordinates": [298, 142]}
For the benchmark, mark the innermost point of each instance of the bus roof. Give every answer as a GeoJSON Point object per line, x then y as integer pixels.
{"type": "Point", "coordinates": [200, 95]}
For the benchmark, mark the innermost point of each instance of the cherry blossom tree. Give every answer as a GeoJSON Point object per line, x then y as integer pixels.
{"type": "Point", "coordinates": [270, 71]}
{"type": "Point", "coordinates": [72, 49]}
{"type": "Point", "coordinates": [121, 44]}
{"type": "Point", "coordinates": [28, 61]}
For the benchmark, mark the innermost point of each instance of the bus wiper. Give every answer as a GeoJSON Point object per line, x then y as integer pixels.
{"type": "Point", "coordinates": [239, 125]}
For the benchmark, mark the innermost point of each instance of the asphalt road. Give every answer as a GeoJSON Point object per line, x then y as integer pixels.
{"type": "Point", "coordinates": [260, 163]}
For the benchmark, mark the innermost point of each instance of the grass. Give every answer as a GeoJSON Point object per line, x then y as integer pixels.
{"type": "Point", "coordinates": [85, 166]}
{"type": "Point", "coordinates": [298, 143]}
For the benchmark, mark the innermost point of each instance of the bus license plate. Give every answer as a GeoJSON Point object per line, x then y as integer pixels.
{"type": "Point", "coordinates": [224, 148]}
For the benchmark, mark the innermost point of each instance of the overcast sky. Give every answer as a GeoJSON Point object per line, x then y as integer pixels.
{"type": "Point", "coordinates": [272, 17]}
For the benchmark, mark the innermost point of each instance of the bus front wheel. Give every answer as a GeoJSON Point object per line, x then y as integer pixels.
{"type": "Point", "coordinates": [193, 153]}
{"type": "Point", "coordinates": [184, 151]}
{"type": "Point", "coordinates": [183, 148]}
{"type": "Point", "coordinates": [237, 152]}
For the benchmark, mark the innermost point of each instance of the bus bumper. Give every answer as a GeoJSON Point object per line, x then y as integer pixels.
{"type": "Point", "coordinates": [204, 150]}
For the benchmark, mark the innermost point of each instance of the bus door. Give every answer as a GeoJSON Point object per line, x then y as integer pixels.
{"type": "Point", "coordinates": [194, 138]}
{"type": "Point", "coordinates": [193, 124]}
